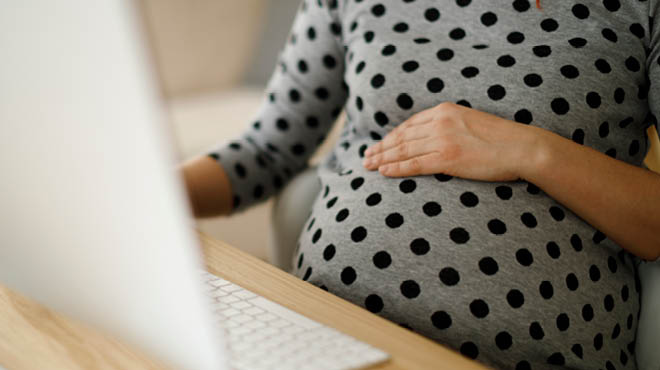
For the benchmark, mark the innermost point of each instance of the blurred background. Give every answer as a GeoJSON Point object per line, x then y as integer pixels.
{"type": "Point", "coordinates": [214, 59]}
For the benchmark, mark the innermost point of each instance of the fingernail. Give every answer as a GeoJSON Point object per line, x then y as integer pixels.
{"type": "Point", "coordinates": [368, 152]}
{"type": "Point", "coordinates": [366, 162]}
{"type": "Point", "coordinates": [383, 169]}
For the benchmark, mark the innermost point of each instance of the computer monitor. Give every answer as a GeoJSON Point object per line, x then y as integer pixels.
{"type": "Point", "coordinates": [93, 219]}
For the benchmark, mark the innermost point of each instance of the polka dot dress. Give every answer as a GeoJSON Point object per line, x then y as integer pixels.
{"type": "Point", "coordinates": [498, 271]}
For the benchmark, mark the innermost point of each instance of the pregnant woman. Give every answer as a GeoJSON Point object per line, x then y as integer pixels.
{"type": "Point", "coordinates": [487, 190]}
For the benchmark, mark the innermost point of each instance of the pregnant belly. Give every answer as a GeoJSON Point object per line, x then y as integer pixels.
{"type": "Point", "coordinates": [482, 267]}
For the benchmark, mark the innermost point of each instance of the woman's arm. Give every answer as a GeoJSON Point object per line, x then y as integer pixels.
{"type": "Point", "coordinates": [209, 189]}
{"type": "Point", "coordinates": [303, 98]}
{"type": "Point", "coordinates": [619, 199]}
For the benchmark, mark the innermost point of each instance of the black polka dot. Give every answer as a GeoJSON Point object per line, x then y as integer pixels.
{"type": "Point", "coordinates": [580, 11]}
{"type": "Point", "coordinates": [441, 320]}
{"type": "Point", "coordinates": [378, 10]}
{"type": "Point", "coordinates": [616, 331]}
{"type": "Point", "coordinates": [623, 358]}
{"type": "Point", "coordinates": [400, 27]}
{"type": "Point", "coordinates": [503, 192]}
{"type": "Point", "coordinates": [594, 273]}
{"type": "Point", "coordinates": [569, 71]}
{"type": "Point", "coordinates": [506, 61]}
{"type": "Point", "coordinates": [528, 220]}
{"type": "Point", "coordinates": [388, 50]}
{"type": "Point", "coordinates": [496, 92]}
{"type": "Point", "coordinates": [578, 136]}
{"type": "Point", "coordinates": [572, 282]}
{"type": "Point", "coordinates": [598, 341]}
{"type": "Point", "coordinates": [536, 331]}
{"type": "Point", "coordinates": [459, 235]}
{"type": "Point", "coordinates": [457, 33]}
{"type": "Point", "coordinates": [576, 242]}
{"type": "Point", "coordinates": [637, 30]}
{"type": "Point", "coordinates": [394, 220]}
{"type": "Point", "coordinates": [469, 199]}
{"type": "Point", "coordinates": [469, 72]}
{"type": "Point", "coordinates": [432, 209]}
{"type": "Point", "coordinates": [308, 273]}
{"type": "Point", "coordinates": [488, 266]}
{"type": "Point", "coordinates": [479, 308]}
{"type": "Point", "coordinates": [407, 186]}
{"type": "Point", "coordinates": [469, 350]}
{"type": "Point", "coordinates": [329, 252]}
{"type": "Point", "coordinates": [488, 19]}
{"type": "Point", "coordinates": [377, 81]}
{"type": "Point", "coordinates": [435, 85]}
{"type": "Point", "coordinates": [560, 106]}
{"type": "Point", "coordinates": [382, 259]}
{"type": "Point", "coordinates": [381, 118]}
{"type": "Point", "coordinates": [515, 37]}
{"type": "Point", "coordinates": [523, 365]}
{"type": "Point", "coordinates": [524, 257]}
{"type": "Point", "coordinates": [410, 289]}
{"type": "Point", "coordinates": [420, 246]}
{"type": "Point", "coordinates": [593, 99]}
{"type": "Point", "coordinates": [358, 234]}
{"type": "Point", "coordinates": [549, 25]}
{"type": "Point", "coordinates": [373, 199]}
{"type": "Point", "coordinates": [342, 215]}
{"type": "Point", "coordinates": [612, 5]}
{"type": "Point", "coordinates": [603, 66]}
{"type": "Point", "coordinates": [445, 54]}
{"type": "Point", "coordinates": [625, 293]}
{"type": "Point", "coordinates": [442, 177]}
{"type": "Point", "coordinates": [608, 303]}
{"type": "Point", "coordinates": [331, 202]}
{"type": "Point", "coordinates": [515, 298]}
{"type": "Point", "coordinates": [556, 359]}
{"type": "Point", "coordinates": [496, 226]}
{"type": "Point", "coordinates": [542, 51]}
{"type": "Point", "coordinates": [521, 5]}
{"type": "Point", "coordinates": [404, 101]}
{"type": "Point", "coordinates": [503, 340]}
{"type": "Point", "coordinates": [240, 170]}
{"type": "Point", "coordinates": [587, 312]}
{"type": "Point", "coordinates": [373, 303]}
{"type": "Point", "coordinates": [533, 80]}
{"type": "Point", "coordinates": [410, 66]}
{"type": "Point", "coordinates": [449, 276]}
{"type": "Point", "coordinates": [546, 289]}
{"type": "Point", "coordinates": [317, 235]}
{"type": "Point", "coordinates": [563, 322]}
{"type": "Point", "coordinates": [553, 250]}
{"type": "Point", "coordinates": [300, 260]}
{"type": "Point", "coordinates": [348, 275]}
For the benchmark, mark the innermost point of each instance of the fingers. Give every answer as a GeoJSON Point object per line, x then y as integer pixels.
{"type": "Point", "coordinates": [403, 151]}
{"type": "Point", "coordinates": [397, 137]}
{"type": "Point", "coordinates": [422, 165]}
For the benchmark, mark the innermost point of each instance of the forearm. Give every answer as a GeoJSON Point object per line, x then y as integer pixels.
{"type": "Point", "coordinates": [208, 187]}
{"type": "Point", "coordinates": [620, 200]}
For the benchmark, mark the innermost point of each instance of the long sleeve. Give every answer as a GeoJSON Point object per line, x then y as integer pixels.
{"type": "Point", "coordinates": [304, 96]}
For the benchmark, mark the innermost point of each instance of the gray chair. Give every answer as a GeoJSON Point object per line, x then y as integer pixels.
{"type": "Point", "coordinates": [290, 210]}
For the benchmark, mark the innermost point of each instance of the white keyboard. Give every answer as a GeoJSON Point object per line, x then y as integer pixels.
{"type": "Point", "coordinates": [262, 334]}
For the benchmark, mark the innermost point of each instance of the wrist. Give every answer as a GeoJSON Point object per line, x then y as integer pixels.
{"type": "Point", "coordinates": [537, 153]}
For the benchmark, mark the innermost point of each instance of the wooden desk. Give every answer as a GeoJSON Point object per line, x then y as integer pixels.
{"type": "Point", "coordinates": [33, 337]}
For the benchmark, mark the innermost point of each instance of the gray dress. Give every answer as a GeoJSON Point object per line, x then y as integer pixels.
{"type": "Point", "coordinates": [497, 270]}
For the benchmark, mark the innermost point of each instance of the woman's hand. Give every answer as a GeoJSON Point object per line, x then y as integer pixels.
{"type": "Point", "coordinates": [458, 141]}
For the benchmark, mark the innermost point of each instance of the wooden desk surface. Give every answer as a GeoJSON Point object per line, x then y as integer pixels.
{"type": "Point", "coordinates": [33, 337]}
